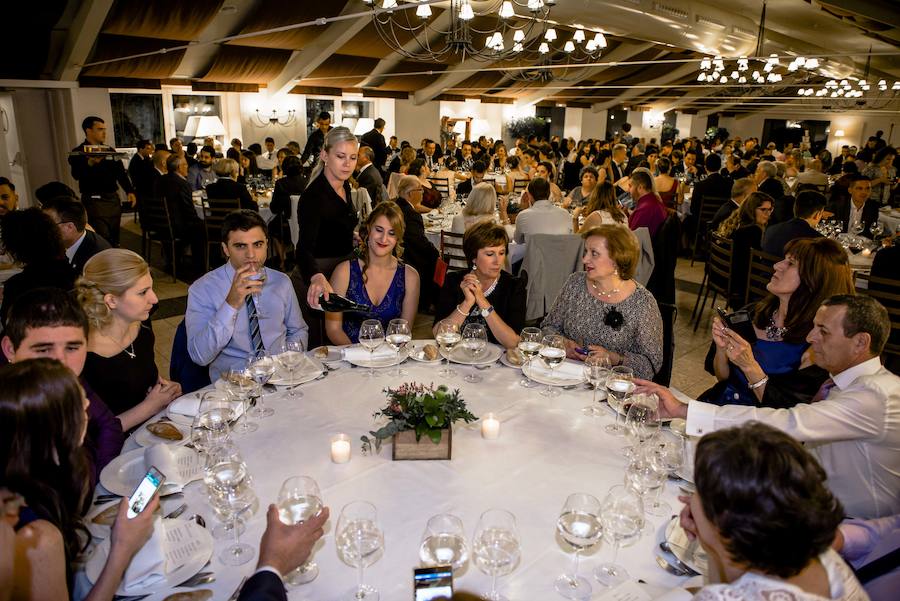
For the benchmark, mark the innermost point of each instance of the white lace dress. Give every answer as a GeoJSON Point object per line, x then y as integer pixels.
{"type": "Point", "coordinates": [757, 587]}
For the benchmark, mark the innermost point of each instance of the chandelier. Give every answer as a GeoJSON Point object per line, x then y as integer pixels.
{"type": "Point", "coordinates": [495, 32]}
{"type": "Point", "coordinates": [274, 119]}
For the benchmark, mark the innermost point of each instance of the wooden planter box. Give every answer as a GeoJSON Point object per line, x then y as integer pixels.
{"type": "Point", "coordinates": [405, 446]}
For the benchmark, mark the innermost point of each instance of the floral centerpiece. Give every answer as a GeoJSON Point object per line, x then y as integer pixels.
{"type": "Point", "coordinates": [415, 411]}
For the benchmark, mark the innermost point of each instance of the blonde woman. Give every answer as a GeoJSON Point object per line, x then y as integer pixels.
{"type": "Point", "coordinates": [116, 292]}
{"type": "Point", "coordinates": [480, 206]}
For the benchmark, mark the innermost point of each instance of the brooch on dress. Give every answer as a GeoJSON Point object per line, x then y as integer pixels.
{"type": "Point", "coordinates": [614, 318]}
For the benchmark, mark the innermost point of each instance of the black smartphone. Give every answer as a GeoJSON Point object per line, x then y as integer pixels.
{"type": "Point", "coordinates": [433, 583]}
{"type": "Point", "coordinates": [148, 486]}
{"type": "Point", "coordinates": [741, 322]}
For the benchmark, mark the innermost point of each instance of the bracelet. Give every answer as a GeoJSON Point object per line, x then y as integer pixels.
{"type": "Point", "coordinates": [458, 310]}
{"type": "Point", "coordinates": [759, 383]}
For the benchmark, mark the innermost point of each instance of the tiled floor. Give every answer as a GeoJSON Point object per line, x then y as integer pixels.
{"type": "Point", "coordinates": [690, 347]}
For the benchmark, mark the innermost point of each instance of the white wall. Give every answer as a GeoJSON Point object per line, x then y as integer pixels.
{"type": "Point", "coordinates": [415, 122]}
{"type": "Point", "coordinates": [593, 125]}
{"type": "Point", "coordinates": [91, 102]}
{"type": "Point", "coordinates": [574, 123]}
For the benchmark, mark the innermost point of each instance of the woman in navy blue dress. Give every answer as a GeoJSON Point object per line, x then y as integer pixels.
{"type": "Point", "coordinates": [378, 278]}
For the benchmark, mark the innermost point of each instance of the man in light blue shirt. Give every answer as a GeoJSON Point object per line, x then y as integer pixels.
{"type": "Point", "coordinates": [232, 311]}
{"type": "Point", "coordinates": [201, 174]}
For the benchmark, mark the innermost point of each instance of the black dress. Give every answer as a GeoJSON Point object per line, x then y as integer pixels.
{"type": "Point", "coordinates": [508, 299]}
{"type": "Point", "coordinates": [292, 185]}
{"type": "Point", "coordinates": [327, 222]}
{"type": "Point", "coordinates": [122, 381]}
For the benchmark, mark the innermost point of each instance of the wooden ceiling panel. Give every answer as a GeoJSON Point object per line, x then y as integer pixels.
{"type": "Point", "coordinates": [154, 66]}
{"type": "Point", "coordinates": [169, 19]}
{"type": "Point", "coordinates": [366, 43]}
{"type": "Point", "coordinates": [235, 64]}
{"type": "Point", "coordinates": [277, 13]}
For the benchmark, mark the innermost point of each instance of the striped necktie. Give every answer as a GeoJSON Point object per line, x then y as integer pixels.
{"type": "Point", "coordinates": [253, 318]}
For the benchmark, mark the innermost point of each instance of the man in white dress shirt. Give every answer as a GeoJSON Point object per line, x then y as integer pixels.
{"type": "Point", "coordinates": [854, 431]}
{"type": "Point", "coordinates": [542, 217]}
{"type": "Point", "coordinates": [267, 160]}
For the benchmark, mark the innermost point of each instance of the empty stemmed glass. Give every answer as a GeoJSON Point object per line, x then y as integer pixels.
{"type": "Point", "coordinates": [619, 386]}
{"type": "Point", "coordinates": [290, 358]}
{"type": "Point", "coordinates": [444, 542]}
{"type": "Point", "coordinates": [261, 367]}
{"type": "Point", "coordinates": [641, 422]}
{"type": "Point", "coordinates": [579, 525]}
{"type": "Point", "coordinates": [447, 337]}
{"type": "Point", "coordinates": [596, 368]}
{"type": "Point", "coordinates": [495, 547]}
{"type": "Point", "coordinates": [211, 426]}
{"type": "Point", "coordinates": [529, 345]}
{"type": "Point", "coordinates": [239, 385]}
{"type": "Point", "coordinates": [622, 518]}
{"type": "Point", "coordinates": [359, 544]}
{"type": "Point", "coordinates": [371, 336]}
{"type": "Point", "coordinates": [474, 340]}
{"type": "Point", "coordinates": [644, 477]}
{"type": "Point", "coordinates": [398, 336]}
{"type": "Point", "coordinates": [259, 275]}
{"type": "Point", "coordinates": [553, 351]}
{"type": "Point", "coordinates": [298, 500]}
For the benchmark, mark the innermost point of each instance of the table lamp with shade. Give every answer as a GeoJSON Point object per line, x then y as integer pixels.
{"type": "Point", "coordinates": [363, 125]}
{"type": "Point", "coordinates": [200, 126]}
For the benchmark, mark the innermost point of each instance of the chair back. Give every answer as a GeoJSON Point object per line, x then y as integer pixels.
{"type": "Point", "coordinates": [760, 272]}
{"type": "Point", "coordinates": [452, 250]}
{"type": "Point", "coordinates": [442, 185]}
{"type": "Point", "coordinates": [669, 313]}
{"type": "Point", "coordinates": [718, 265]}
{"type": "Point", "coordinates": [294, 220]}
{"type": "Point", "coordinates": [887, 292]}
{"type": "Point", "coordinates": [665, 257]}
{"type": "Point", "coordinates": [709, 206]}
{"type": "Point", "coordinates": [155, 220]}
{"type": "Point", "coordinates": [520, 185]}
{"type": "Point", "coordinates": [182, 368]}
{"type": "Point", "coordinates": [549, 261]}
{"type": "Point", "coordinates": [215, 215]}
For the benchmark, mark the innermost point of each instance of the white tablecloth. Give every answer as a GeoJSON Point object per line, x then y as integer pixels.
{"type": "Point", "coordinates": [547, 449]}
{"type": "Point", "coordinates": [891, 220]}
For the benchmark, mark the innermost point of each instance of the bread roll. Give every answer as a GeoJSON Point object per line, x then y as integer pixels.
{"type": "Point", "coordinates": [165, 430]}
{"type": "Point", "coordinates": [431, 352]}
{"type": "Point", "coordinates": [107, 516]}
{"type": "Point", "coordinates": [515, 357]}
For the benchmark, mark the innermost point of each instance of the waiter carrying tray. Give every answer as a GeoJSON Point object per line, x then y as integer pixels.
{"type": "Point", "coordinates": [98, 180]}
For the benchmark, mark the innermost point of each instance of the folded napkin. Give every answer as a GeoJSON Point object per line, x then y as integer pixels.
{"type": "Point", "coordinates": [148, 566]}
{"type": "Point", "coordinates": [567, 370]}
{"type": "Point", "coordinates": [358, 353]}
{"type": "Point", "coordinates": [160, 456]}
{"type": "Point", "coordinates": [306, 368]}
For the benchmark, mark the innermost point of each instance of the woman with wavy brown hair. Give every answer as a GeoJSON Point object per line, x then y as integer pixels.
{"type": "Point", "coordinates": [602, 208]}
{"type": "Point", "coordinates": [378, 278]}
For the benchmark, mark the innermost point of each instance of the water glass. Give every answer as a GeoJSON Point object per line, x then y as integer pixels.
{"type": "Point", "coordinates": [474, 340]}
{"type": "Point", "coordinates": [298, 500]}
{"type": "Point", "coordinates": [212, 425]}
{"type": "Point", "coordinates": [447, 337]}
{"type": "Point", "coordinates": [641, 422]}
{"type": "Point", "coordinates": [290, 358]}
{"type": "Point", "coordinates": [553, 352]}
{"type": "Point", "coordinates": [371, 336]}
{"type": "Point", "coordinates": [398, 336]}
{"type": "Point", "coordinates": [622, 518]}
{"type": "Point", "coordinates": [239, 385]}
{"type": "Point", "coordinates": [444, 542]}
{"type": "Point", "coordinates": [261, 367]}
{"type": "Point", "coordinates": [596, 368]}
{"type": "Point", "coordinates": [530, 346]}
{"type": "Point", "coordinates": [619, 386]}
{"type": "Point", "coordinates": [360, 543]}
{"type": "Point", "coordinates": [579, 525]}
{"type": "Point", "coordinates": [495, 547]}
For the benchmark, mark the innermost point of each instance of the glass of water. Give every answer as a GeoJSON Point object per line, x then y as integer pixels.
{"type": "Point", "coordinates": [290, 358]}
{"type": "Point", "coordinates": [596, 369]}
{"type": "Point", "coordinates": [444, 542]}
{"type": "Point", "coordinates": [579, 525]}
{"type": "Point", "coordinates": [371, 336]}
{"type": "Point", "coordinates": [553, 352]}
{"type": "Point", "coordinates": [398, 336]}
{"type": "Point", "coordinates": [622, 518]}
{"type": "Point", "coordinates": [529, 345]}
{"type": "Point", "coordinates": [619, 386]}
{"type": "Point", "coordinates": [261, 367]}
{"type": "Point", "coordinates": [474, 341]}
{"type": "Point", "coordinates": [495, 547]}
{"type": "Point", "coordinates": [360, 543]}
{"type": "Point", "coordinates": [298, 500]}
{"type": "Point", "coordinates": [447, 337]}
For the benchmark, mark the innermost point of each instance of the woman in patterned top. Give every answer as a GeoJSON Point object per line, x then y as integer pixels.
{"type": "Point", "coordinates": [604, 309]}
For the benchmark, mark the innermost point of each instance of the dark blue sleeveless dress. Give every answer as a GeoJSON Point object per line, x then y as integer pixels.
{"type": "Point", "coordinates": [774, 357]}
{"type": "Point", "coordinates": [391, 306]}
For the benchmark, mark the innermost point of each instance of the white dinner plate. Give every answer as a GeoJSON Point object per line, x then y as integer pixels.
{"type": "Point", "coordinates": [489, 355]}
{"type": "Point", "coordinates": [307, 373]}
{"type": "Point", "coordinates": [689, 552]}
{"type": "Point", "coordinates": [558, 379]}
{"type": "Point", "coordinates": [390, 361]}
{"type": "Point", "coordinates": [122, 474]}
{"type": "Point", "coordinates": [146, 438]}
{"type": "Point", "coordinates": [505, 361]}
{"type": "Point", "coordinates": [417, 354]}
{"type": "Point", "coordinates": [196, 560]}
{"type": "Point", "coordinates": [188, 420]}
{"type": "Point", "coordinates": [333, 354]}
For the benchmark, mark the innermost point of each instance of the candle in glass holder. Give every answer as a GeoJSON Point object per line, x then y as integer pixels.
{"type": "Point", "coordinates": [340, 448]}
{"type": "Point", "coordinates": [490, 427]}
{"type": "Point", "coordinates": [866, 252]}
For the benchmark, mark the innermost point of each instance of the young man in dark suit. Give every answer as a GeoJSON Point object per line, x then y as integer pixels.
{"type": "Point", "coordinates": [809, 208]}
{"type": "Point", "coordinates": [71, 219]}
{"type": "Point", "coordinates": [368, 176]}
{"type": "Point", "coordinates": [858, 208]}
{"type": "Point", "coordinates": [374, 139]}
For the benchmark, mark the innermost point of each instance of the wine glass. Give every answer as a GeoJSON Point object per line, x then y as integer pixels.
{"type": "Point", "coordinates": [239, 385]}
{"type": "Point", "coordinates": [619, 386]}
{"type": "Point", "coordinates": [258, 276]}
{"type": "Point", "coordinates": [553, 351]}
{"type": "Point", "coordinates": [290, 358]}
{"type": "Point", "coordinates": [228, 481]}
{"type": "Point", "coordinates": [398, 336]}
{"type": "Point", "coordinates": [596, 367]}
{"type": "Point", "coordinates": [579, 525]}
{"type": "Point", "coordinates": [495, 547]}
{"type": "Point", "coordinates": [622, 517]}
{"type": "Point", "coordinates": [529, 345]}
{"type": "Point", "coordinates": [644, 477]}
{"type": "Point", "coordinates": [667, 455]}
{"type": "Point", "coordinates": [641, 421]}
{"type": "Point", "coordinates": [474, 340]}
{"type": "Point", "coordinates": [211, 426]}
{"type": "Point", "coordinates": [359, 544]}
{"type": "Point", "coordinates": [447, 337]}
{"type": "Point", "coordinates": [223, 456]}
{"type": "Point", "coordinates": [298, 500]}
{"type": "Point", "coordinates": [877, 230]}
{"type": "Point", "coordinates": [261, 367]}
{"type": "Point", "coordinates": [444, 542]}
{"type": "Point", "coordinates": [858, 227]}
{"type": "Point", "coordinates": [371, 336]}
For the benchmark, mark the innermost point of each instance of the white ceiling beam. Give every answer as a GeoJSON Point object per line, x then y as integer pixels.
{"type": "Point", "coordinates": [387, 64]}
{"type": "Point", "coordinates": [81, 37]}
{"type": "Point", "coordinates": [662, 80]}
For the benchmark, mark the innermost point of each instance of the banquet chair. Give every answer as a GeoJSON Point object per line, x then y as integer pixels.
{"type": "Point", "coordinates": [669, 313]}
{"type": "Point", "coordinates": [665, 258]}
{"type": "Point", "coordinates": [442, 185]}
{"type": "Point", "coordinates": [452, 250]}
{"type": "Point", "coordinates": [212, 224]}
{"type": "Point", "coordinates": [887, 292]}
{"type": "Point", "coordinates": [709, 206]}
{"type": "Point", "coordinates": [759, 274]}
{"type": "Point", "coordinates": [520, 185]}
{"type": "Point", "coordinates": [717, 276]}
{"type": "Point", "coordinates": [182, 368]}
{"type": "Point", "coordinates": [156, 226]}
{"type": "Point", "coordinates": [549, 261]}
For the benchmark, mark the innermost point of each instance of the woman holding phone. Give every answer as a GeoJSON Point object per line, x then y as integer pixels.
{"type": "Point", "coordinates": [44, 483]}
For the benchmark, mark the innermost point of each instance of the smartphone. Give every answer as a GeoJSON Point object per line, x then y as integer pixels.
{"type": "Point", "coordinates": [433, 583]}
{"type": "Point", "coordinates": [741, 322]}
{"type": "Point", "coordinates": [145, 491]}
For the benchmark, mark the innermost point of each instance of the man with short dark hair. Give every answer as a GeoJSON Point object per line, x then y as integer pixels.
{"type": "Point", "coordinates": [374, 139]}
{"type": "Point", "coordinates": [466, 159]}
{"type": "Point", "coordinates": [268, 160]}
{"type": "Point", "coordinates": [71, 218]}
{"type": "Point", "coordinates": [368, 176]}
{"type": "Point", "coordinates": [809, 208]}
{"type": "Point", "coordinates": [201, 175]}
{"type": "Point", "coordinates": [856, 209]}
{"type": "Point", "coordinates": [186, 224]}
{"type": "Point", "coordinates": [849, 424]}
{"type": "Point", "coordinates": [99, 180]}
{"type": "Point", "coordinates": [9, 199]}
{"type": "Point", "coordinates": [226, 307]}
{"type": "Point", "coordinates": [542, 217]}
{"type": "Point", "coordinates": [715, 185]}
{"type": "Point", "coordinates": [431, 155]}
{"type": "Point", "coordinates": [477, 176]}
{"type": "Point", "coordinates": [649, 211]}
{"type": "Point", "coordinates": [689, 167]}
{"type": "Point", "coordinates": [316, 139]}
{"type": "Point", "coordinates": [48, 322]}
{"type": "Point", "coordinates": [140, 169]}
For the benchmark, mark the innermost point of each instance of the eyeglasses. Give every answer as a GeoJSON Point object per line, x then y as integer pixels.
{"type": "Point", "coordinates": [769, 210]}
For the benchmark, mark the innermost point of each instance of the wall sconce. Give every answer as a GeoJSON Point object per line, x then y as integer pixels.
{"type": "Point", "coordinates": [274, 119]}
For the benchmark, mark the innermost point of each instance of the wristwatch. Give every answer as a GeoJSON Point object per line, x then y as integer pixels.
{"type": "Point", "coordinates": [487, 311]}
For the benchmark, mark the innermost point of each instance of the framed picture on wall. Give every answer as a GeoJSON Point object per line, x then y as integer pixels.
{"type": "Point", "coordinates": [137, 117]}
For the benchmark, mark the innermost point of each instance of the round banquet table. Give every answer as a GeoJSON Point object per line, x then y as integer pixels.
{"type": "Point", "coordinates": [547, 449]}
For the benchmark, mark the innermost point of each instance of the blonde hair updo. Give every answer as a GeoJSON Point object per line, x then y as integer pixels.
{"type": "Point", "coordinates": [111, 271]}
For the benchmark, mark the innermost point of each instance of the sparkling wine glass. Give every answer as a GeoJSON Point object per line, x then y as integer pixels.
{"type": "Point", "coordinates": [579, 525]}
{"type": "Point", "coordinates": [290, 358]}
{"type": "Point", "coordinates": [596, 368]}
{"type": "Point", "coordinates": [447, 337]}
{"type": "Point", "coordinates": [360, 543]}
{"type": "Point", "coordinates": [371, 336]}
{"type": "Point", "coordinates": [644, 477]}
{"type": "Point", "coordinates": [619, 386]}
{"type": "Point", "coordinates": [398, 336]}
{"type": "Point", "coordinates": [444, 542]}
{"type": "Point", "coordinates": [240, 385]}
{"type": "Point", "coordinates": [641, 422]}
{"type": "Point", "coordinates": [298, 500]}
{"type": "Point", "coordinates": [212, 425]}
{"type": "Point", "coordinates": [553, 351]}
{"type": "Point", "coordinates": [495, 547]}
{"type": "Point", "coordinates": [529, 345]}
{"type": "Point", "coordinates": [474, 341]}
{"type": "Point", "coordinates": [261, 367]}
{"type": "Point", "coordinates": [622, 518]}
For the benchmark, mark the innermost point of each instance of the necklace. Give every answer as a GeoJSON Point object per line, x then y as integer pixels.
{"type": "Point", "coordinates": [773, 332]}
{"type": "Point", "coordinates": [129, 350]}
{"type": "Point", "coordinates": [604, 294]}
{"type": "Point", "coordinates": [491, 287]}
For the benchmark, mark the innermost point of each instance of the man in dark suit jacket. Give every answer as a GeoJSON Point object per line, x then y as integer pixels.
{"type": "Point", "coordinates": [374, 139]}
{"type": "Point", "coordinates": [715, 185]}
{"type": "Point", "coordinates": [858, 208]}
{"type": "Point", "coordinates": [174, 189]}
{"type": "Point", "coordinates": [227, 187]}
{"type": "Point", "coordinates": [739, 192]}
{"type": "Point", "coordinates": [140, 169]}
{"type": "Point", "coordinates": [418, 251]}
{"type": "Point", "coordinates": [809, 208]}
{"type": "Point", "coordinates": [766, 181]}
{"type": "Point", "coordinates": [71, 218]}
{"type": "Point", "coordinates": [478, 171]}
{"type": "Point", "coordinates": [282, 549]}
{"type": "Point", "coordinates": [369, 177]}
